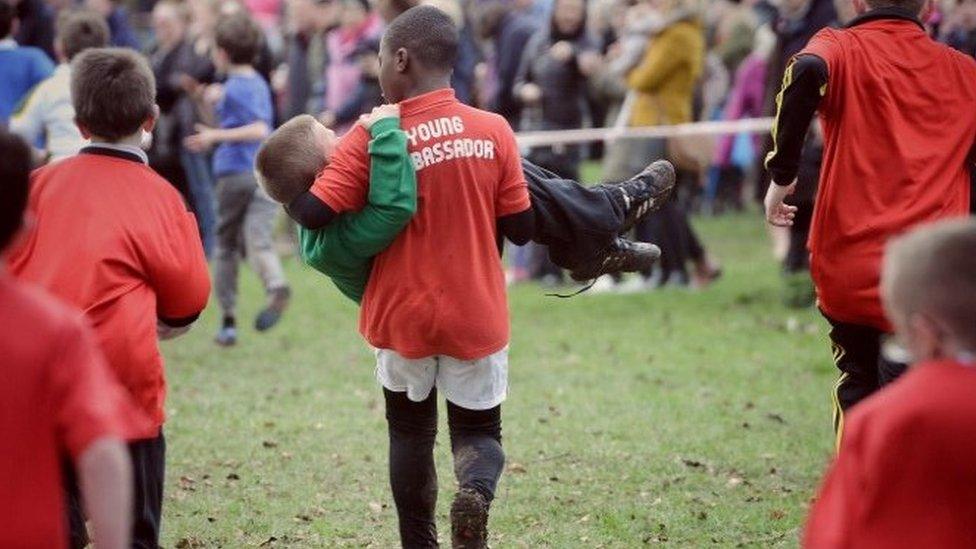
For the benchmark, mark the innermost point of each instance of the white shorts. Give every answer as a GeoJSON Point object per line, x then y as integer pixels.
{"type": "Point", "coordinates": [478, 384]}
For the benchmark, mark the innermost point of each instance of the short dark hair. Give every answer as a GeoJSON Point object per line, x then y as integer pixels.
{"type": "Point", "coordinates": [428, 34]}
{"type": "Point", "coordinates": [113, 91]}
{"type": "Point", "coordinates": [239, 36]}
{"type": "Point", "coordinates": [290, 159]}
{"type": "Point", "coordinates": [15, 166]}
{"type": "Point", "coordinates": [79, 30]}
{"type": "Point", "coordinates": [8, 13]}
{"type": "Point", "coordinates": [912, 6]}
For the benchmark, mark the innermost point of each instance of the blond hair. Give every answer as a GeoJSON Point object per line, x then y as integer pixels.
{"type": "Point", "coordinates": [932, 271]}
{"type": "Point", "coordinates": [289, 159]}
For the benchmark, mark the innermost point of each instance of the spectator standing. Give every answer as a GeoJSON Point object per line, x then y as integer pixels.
{"type": "Point", "coordinates": [47, 115]}
{"type": "Point", "coordinates": [119, 25]}
{"type": "Point", "coordinates": [21, 67]}
{"type": "Point", "coordinates": [36, 25]}
{"type": "Point", "coordinates": [342, 75]}
{"type": "Point", "coordinates": [308, 23]}
{"type": "Point", "coordinates": [551, 83]}
{"type": "Point", "coordinates": [509, 32]}
{"type": "Point", "coordinates": [663, 85]}
{"type": "Point", "coordinates": [174, 63]}
{"type": "Point", "coordinates": [960, 29]}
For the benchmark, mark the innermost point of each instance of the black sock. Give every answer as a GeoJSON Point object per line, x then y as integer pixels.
{"type": "Point", "coordinates": [229, 321]}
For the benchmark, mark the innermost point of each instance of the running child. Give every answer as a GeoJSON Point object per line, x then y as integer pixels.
{"type": "Point", "coordinates": [245, 213]}
{"type": "Point", "coordinates": [115, 240]}
{"type": "Point", "coordinates": [904, 474]}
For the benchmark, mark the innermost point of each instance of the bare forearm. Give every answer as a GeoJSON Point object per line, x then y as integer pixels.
{"type": "Point", "coordinates": [105, 477]}
{"type": "Point", "coordinates": [255, 131]}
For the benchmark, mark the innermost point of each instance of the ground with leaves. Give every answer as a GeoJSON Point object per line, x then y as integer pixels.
{"type": "Point", "coordinates": [678, 417]}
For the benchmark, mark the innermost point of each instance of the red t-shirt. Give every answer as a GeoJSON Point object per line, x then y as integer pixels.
{"type": "Point", "coordinates": [905, 475]}
{"type": "Point", "coordinates": [114, 239]}
{"type": "Point", "coordinates": [57, 396]}
{"type": "Point", "coordinates": [439, 288]}
{"type": "Point", "coordinates": [899, 120]}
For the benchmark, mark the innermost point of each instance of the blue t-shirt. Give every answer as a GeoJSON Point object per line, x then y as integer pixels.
{"type": "Point", "coordinates": [21, 68]}
{"type": "Point", "coordinates": [247, 99]}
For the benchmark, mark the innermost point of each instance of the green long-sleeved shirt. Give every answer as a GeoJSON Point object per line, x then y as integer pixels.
{"type": "Point", "coordinates": [344, 249]}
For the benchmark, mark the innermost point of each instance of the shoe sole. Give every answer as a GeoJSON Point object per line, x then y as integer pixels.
{"type": "Point", "coordinates": [656, 201]}
{"type": "Point", "coordinates": [608, 267]}
{"type": "Point", "coordinates": [469, 522]}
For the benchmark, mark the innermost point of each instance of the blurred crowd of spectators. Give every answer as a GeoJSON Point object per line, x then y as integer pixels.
{"type": "Point", "coordinates": [542, 64]}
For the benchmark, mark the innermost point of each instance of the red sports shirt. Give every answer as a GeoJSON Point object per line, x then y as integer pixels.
{"type": "Point", "coordinates": [439, 288]}
{"type": "Point", "coordinates": [899, 120]}
{"type": "Point", "coordinates": [57, 396]}
{"type": "Point", "coordinates": [905, 475]}
{"type": "Point", "coordinates": [114, 239]}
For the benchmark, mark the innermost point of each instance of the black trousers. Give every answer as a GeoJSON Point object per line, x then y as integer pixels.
{"type": "Point", "coordinates": [148, 468]}
{"type": "Point", "coordinates": [864, 368]}
{"type": "Point", "coordinates": [476, 437]}
{"type": "Point", "coordinates": [670, 229]}
{"type": "Point", "coordinates": [577, 223]}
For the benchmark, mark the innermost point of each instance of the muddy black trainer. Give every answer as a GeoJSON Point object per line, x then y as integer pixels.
{"type": "Point", "coordinates": [645, 192]}
{"type": "Point", "coordinates": [469, 520]}
{"type": "Point", "coordinates": [623, 256]}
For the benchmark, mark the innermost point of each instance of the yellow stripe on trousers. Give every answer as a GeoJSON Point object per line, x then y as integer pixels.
{"type": "Point", "coordinates": [839, 353]}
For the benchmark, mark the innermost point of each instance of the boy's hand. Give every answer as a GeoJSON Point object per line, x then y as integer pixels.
{"type": "Point", "coordinates": [530, 93]}
{"type": "Point", "coordinates": [779, 213]}
{"type": "Point", "coordinates": [202, 140]}
{"type": "Point", "coordinates": [561, 51]}
{"type": "Point", "coordinates": [213, 93]}
{"type": "Point", "coordinates": [383, 111]}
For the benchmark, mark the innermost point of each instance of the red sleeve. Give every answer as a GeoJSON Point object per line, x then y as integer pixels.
{"type": "Point", "coordinates": [344, 182]}
{"type": "Point", "coordinates": [87, 402]}
{"type": "Point", "coordinates": [826, 45]}
{"type": "Point", "coordinates": [174, 262]}
{"type": "Point", "coordinates": [512, 195]}
{"type": "Point", "coordinates": [835, 512]}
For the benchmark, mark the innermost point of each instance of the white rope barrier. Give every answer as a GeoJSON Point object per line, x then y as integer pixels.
{"type": "Point", "coordinates": [586, 135]}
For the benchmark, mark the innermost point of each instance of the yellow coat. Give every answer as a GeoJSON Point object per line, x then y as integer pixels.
{"type": "Point", "coordinates": [665, 78]}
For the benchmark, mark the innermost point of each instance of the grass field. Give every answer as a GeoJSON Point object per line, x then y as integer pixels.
{"type": "Point", "coordinates": [678, 417]}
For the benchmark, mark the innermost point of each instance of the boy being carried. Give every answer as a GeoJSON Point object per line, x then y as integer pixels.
{"type": "Point", "coordinates": [904, 474]}
{"type": "Point", "coordinates": [287, 164]}
{"type": "Point", "coordinates": [289, 160]}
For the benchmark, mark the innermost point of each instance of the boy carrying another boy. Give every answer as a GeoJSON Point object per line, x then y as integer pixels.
{"type": "Point", "coordinates": [245, 213]}
{"type": "Point", "coordinates": [435, 305]}
{"type": "Point", "coordinates": [115, 240]}
{"type": "Point", "coordinates": [905, 473]}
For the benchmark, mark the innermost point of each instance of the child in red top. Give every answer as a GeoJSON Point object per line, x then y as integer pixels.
{"type": "Point", "coordinates": [114, 239]}
{"type": "Point", "coordinates": [898, 112]}
{"type": "Point", "coordinates": [905, 473]}
{"type": "Point", "coordinates": [58, 396]}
